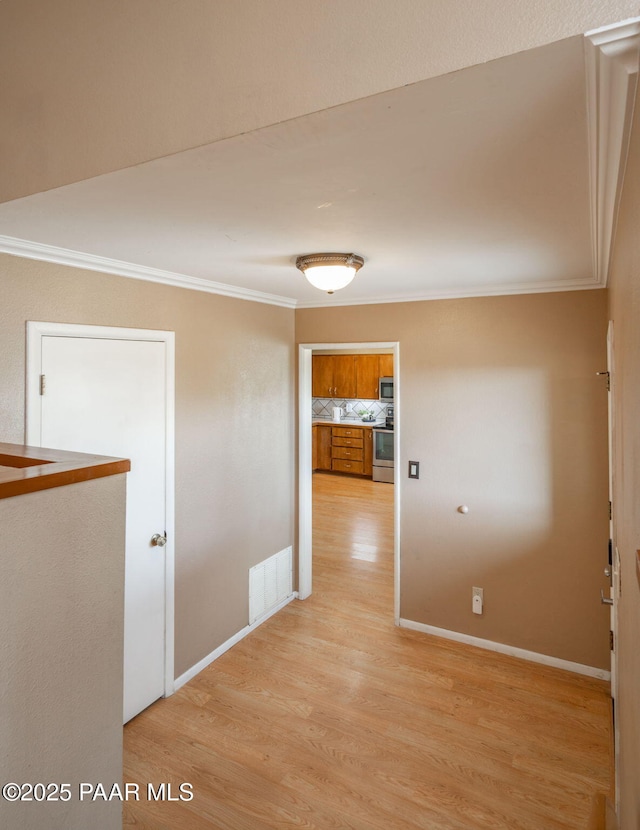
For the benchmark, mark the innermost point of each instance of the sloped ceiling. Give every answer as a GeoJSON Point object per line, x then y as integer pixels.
{"type": "Point", "coordinates": [471, 183]}
{"type": "Point", "coordinates": [89, 87]}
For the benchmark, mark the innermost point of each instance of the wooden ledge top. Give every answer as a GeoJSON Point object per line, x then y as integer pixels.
{"type": "Point", "coordinates": [28, 469]}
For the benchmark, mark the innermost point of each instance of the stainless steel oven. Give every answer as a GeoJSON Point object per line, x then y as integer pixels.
{"type": "Point", "coordinates": [383, 461]}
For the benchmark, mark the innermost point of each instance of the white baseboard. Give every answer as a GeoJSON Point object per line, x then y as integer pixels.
{"type": "Point", "coordinates": [218, 652]}
{"type": "Point", "coordinates": [512, 651]}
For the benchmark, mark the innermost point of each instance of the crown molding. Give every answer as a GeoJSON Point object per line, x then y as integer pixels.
{"type": "Point", "coordinates": [461, 294]}
{"type": "Point", "coordinates": [76, 259]}
{"type": "Point", "coordinates": [612, 57]}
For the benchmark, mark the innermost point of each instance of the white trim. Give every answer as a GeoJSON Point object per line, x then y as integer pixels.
{"type": "Point", "coordinates": [35, 332]}
{"type": "Point", "coordinates": [615, 563]}
{"type": "Point", "coordinates": [240, 635]}
{"type": "Point", "coordinates": [91, 262]}
{"type": "Point", "coordinates": [459, 294]}
{"type": "Point", "coordinates": [106, 265]}
{"type": "Point", "coordinates": [612, 57]}
{"type": "Point", "coordinates": [305, 541]}
{"type": "Point", "coordinates": [305, 494]}
{"type": "Point", "coordinates": [512, 651]}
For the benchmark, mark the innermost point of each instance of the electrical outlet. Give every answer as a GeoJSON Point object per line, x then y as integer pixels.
{"type": "Point", "coordinates": [477, 600]}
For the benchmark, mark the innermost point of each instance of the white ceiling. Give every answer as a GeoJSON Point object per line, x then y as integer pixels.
{"type": "Point", "coordinates": [472, 183]}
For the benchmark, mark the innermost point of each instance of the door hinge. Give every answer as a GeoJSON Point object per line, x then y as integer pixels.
{"type": "Point", "coordinates": [608, 377]}
{"type": "Point", "coordinates": [611, 640]}
{"type": "Point", "coordinates": [43, 384]}
{"type": "Point", "coordinates": [610, 516]}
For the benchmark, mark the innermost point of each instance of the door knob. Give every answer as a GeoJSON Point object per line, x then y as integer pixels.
{"type": "Point", "coordinates": [605, 600]}
{"type": "Point", "coordinates": [607, 571]}
{"type": "Point", "coordinates": [158, 540]}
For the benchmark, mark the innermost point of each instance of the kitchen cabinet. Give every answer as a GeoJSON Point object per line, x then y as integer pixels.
{"type": "Point", "coordinates": [369, 369]}
{"type": "Point", "coordinates": [322, 375]}
{"type": "Point", "coordinates": [347, 450]}
{"type": "Point", "coordinates": [349, 376]}
{"type": "Point", "coordinates": [386, 366]}
{"type": "Point", "coordinates": [343, 449]}
{"type": "Point", "coordinates": [321, 447]}
{"type": "Point", "coordinates": [344, 375]}
{"type": "Point", "coordinates": [314, 447]}
{"type": "Point", "coordinates": [333, 376]}
{"type": "Point", "coordinates": [368, 452]}
{"type": "Point", "coordinates": [367, 376]}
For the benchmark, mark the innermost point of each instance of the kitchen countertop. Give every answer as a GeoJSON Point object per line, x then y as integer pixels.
{"type": "Point", "coordinates": [353, 422]}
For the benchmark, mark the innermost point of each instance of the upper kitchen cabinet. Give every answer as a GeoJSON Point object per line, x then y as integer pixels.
{"type": "Point", "coordinates": [322, 375]}
{"type": "Point", "coordinates": [333, 376]}
{"type": "Point", "coordinates": [369, 369]}
{"type": "Point", "coordinates": [386, 366]}
{"type": "Point", "coordinates": [367, 375]}
{"type": "Point", "coordinates": [344, 375]}
{"type": "Point", "coordinates": [349, 375]}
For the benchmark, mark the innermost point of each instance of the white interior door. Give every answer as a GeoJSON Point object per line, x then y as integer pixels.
{"type": "Point", "coordinates": [109, 397]}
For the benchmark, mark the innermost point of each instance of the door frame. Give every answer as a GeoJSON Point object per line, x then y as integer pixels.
{"type": "Point", "coordinates": [305, 538]}
{"type": "Point", "coordinates": [615, 558]}
{"type": "Point", "coordinates": [36, 330]}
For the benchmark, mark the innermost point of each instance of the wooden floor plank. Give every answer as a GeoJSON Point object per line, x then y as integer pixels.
{"type": "Point", "coordinates": [329, 716]}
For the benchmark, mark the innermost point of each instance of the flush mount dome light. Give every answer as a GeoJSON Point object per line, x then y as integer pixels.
{"type": "Point", "coordinates": [329, 272]}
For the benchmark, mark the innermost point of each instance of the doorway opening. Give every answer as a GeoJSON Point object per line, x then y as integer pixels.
{"type": "Point", "coordinates": [305, 473]}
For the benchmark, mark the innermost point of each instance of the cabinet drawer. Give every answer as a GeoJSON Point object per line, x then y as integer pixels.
{"type": "Point", "coordinates": [341, 465]}
{"type": "Point", "coordinates": [348, 442]}
{"type": "Point", "coordinates": [348, 453]}
{"type": "Point", "coordinates": [347, 432]}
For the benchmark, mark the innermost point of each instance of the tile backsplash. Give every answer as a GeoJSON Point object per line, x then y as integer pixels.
{"type": "Point", "coordinates": [323, 408]}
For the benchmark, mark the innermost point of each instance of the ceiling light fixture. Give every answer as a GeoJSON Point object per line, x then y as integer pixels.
{"type": "Point", "coordinates": [329, 272]}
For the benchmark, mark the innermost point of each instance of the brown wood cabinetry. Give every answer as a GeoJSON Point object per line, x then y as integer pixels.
{"type": "Point", "coordinates": [386, 366]}
{"type": "Point", "coordinates": [333, 376]}
{"type": "Point", "coordinates": [347, 434]}
{"type": "Point", "coordinates": [321, 447]}
{"type": "Point", "coordinates": [349, 375]}
{"type": "Point", "coordinates": [314, 447]}
{"type": "Point", "coordinates": [343, 449]}
{"type": "Point", "coordinates": [347, 450]}
{"type": "Point", "coordinates": [322, 375]}
{"type": "Point", "coordinates": [368, 452]}
{"type": "Point", "coordinates": [344, 376]}
{"type": "Point", "coordinates": [340, 465]}
{"type": "Point", "coordinates": [367, 376]}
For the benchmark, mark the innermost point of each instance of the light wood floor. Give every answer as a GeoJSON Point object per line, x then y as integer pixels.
{"type": "Point", "coordinates": [328, 716]}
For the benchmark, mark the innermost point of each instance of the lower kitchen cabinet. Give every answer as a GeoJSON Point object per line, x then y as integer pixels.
{"type": "Point", "coordinates": [321, 447]}
{"type": "Point", "coordinates": [343, 449]}
{"type": "Point", "coordinates": [368, 452]}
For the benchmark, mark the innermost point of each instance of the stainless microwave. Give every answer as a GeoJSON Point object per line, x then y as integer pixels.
{"type": "Point", "coordinates": [385, 390]}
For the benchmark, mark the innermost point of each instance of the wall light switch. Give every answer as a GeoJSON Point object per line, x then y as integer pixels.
{"type": "Point", "coordinates": [414, 469]}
